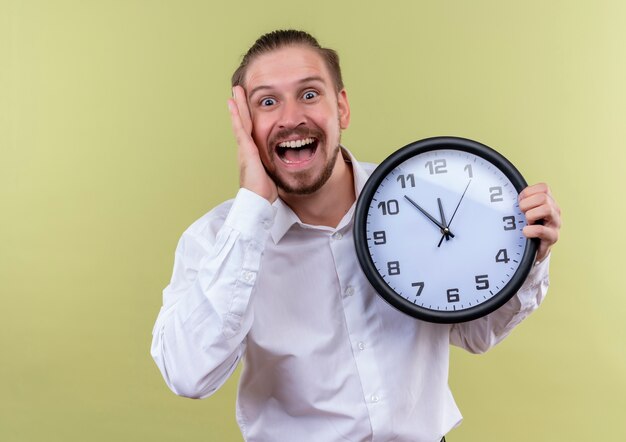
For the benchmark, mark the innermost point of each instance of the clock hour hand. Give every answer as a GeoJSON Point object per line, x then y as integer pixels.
{"type": "Point", "coordinates": [443, 221]}
{"type": "Point", "coordinates": [443, 228]}
{"type": "Point", "coordinates": [457, 208]}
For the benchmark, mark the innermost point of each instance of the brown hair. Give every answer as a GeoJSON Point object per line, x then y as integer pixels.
{"type": "Point", "coordinates": [288, 37]}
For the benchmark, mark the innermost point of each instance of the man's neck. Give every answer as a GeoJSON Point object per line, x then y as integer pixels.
{"type": "Point", "coordinates": [328, 205]}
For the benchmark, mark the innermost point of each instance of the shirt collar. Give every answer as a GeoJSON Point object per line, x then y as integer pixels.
{"type": "Point", "coordinates": [285, 217]}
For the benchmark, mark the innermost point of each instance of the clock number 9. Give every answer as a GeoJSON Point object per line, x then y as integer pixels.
{"type": "Point", "coordinates": [390, 207]}
{"type": "Point", "coordinates": [380, 237]}
{"type": "Point", "coordinates": [453, 295]}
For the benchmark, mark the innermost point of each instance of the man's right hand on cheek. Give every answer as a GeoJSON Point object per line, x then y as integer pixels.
{"type": "Point", "coordinates": [252, 174]}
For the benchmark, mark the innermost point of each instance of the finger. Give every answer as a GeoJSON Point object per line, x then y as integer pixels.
{"type": "Point", "coordinates": [239, 95]}
{"type": "Point", "coordinates": [235, 119]}
{"type": "Point", "coordinates": [548, 236]}
{"type": "Point", "coordinates": [546, 212]}
{"type": "Point", "coordinates": [534, 189]}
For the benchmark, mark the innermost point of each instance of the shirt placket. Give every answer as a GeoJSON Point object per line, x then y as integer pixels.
{"type": "Point", "coordinates": [361, 326]}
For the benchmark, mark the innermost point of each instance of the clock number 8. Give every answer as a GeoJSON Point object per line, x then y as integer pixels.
{"type": "Point", "coordinates": [393, 268]}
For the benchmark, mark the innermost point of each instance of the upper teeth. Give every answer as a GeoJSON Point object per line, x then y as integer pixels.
{"type": "Point", "coordinates": [296, 143]}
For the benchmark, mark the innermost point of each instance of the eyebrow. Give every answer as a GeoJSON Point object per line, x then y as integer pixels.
{"type": "Point", "coordinates": [310, 79]}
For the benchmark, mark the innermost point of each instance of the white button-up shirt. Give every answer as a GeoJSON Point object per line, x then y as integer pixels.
{"type": "Point", "coordinates": [325, 358]}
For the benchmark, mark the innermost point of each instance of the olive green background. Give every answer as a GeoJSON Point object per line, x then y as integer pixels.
{"type": "Point", "coordinates": [114, 137]}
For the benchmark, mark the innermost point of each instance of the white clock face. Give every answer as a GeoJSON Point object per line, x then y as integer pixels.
{"type": "Point", "coordinates": [433, 268]}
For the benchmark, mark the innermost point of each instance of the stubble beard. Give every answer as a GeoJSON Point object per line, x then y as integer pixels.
{"type": "Point", "coordinates": [304, 182]}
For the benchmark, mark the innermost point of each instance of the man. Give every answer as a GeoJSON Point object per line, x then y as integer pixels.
{"type": "Point", "coordinates": [271, 277]}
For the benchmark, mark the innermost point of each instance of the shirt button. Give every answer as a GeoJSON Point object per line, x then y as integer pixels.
{"type": "Point", "coordinates": [361, 346]}
{"type": "Point", "coordinates": [374, 398]}
{"type": "Point", "coordinates": [337, 236]}
{"type": "Point", "coordinates": [247, 276]}
{"type": "Point", "coordinates": [349, 291]}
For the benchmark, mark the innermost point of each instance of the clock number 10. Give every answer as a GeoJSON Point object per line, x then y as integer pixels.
{"type": "Point", "coordinates": [390, 207]}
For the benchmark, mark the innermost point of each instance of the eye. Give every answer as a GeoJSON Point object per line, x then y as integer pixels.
{"type": "Point", "coordinates": [268, 102]}
{"type": "Point", "coordinates": [310, 95]}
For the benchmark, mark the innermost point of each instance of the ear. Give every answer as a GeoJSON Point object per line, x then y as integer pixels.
{"type": "Point", "coordinates": [344, 109]}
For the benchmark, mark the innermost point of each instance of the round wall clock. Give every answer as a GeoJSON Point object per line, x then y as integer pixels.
{"type": "Point", "coordinates": [438, 230]}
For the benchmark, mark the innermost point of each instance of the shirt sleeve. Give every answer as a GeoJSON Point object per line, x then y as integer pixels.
{"type": "Point", "coordinates": [199, 335]}
{"type": "Point", "coordinates": [480, 335]}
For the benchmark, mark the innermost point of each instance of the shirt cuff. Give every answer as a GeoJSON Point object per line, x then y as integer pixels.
{"type": "Point", "coordinates": [249, 213]}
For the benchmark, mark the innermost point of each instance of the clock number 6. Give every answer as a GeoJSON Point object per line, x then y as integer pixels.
{"type": "Point", "coordinates": [453, 295]}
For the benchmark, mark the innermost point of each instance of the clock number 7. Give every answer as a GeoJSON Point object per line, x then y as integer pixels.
{"type": "Point", "coordinates": [420, 287]}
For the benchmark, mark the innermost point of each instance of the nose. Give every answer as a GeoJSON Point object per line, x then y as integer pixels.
{"type": "Point", "coordinates": [291, 115]}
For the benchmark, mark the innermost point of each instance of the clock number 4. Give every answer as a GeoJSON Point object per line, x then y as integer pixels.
{"type": "Point", "coordinates": [437, 166]}
{"type": "Point", "coordinates": [502, 256]}
{"type": "Point", "coordinates": [390, 207]}
{"type": "Point", "coordinates": [453, 295]}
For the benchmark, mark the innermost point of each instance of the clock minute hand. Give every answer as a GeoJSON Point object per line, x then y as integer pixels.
{"type": "Point", "coordinates": [430, 217]}
{"type": "Point", "coordinates": [457, 208]}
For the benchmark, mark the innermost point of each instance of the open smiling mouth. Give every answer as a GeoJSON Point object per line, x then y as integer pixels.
{"type": "Point", "coordinates": [297, 151]}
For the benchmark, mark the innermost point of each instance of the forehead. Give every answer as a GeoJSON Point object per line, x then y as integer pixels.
{"type": "Point", "coordinates": [285, 67]}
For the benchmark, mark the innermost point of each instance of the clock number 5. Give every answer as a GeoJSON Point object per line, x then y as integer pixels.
{"type": "Point", "coordinates": [453, 295]}
{"type": "Point", "coordinates": [482, 282]}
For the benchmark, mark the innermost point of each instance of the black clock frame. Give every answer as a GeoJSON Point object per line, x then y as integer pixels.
{"type": "Point", "coordinates": [360, 230]}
